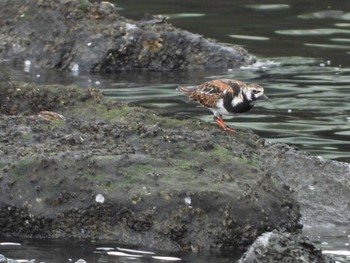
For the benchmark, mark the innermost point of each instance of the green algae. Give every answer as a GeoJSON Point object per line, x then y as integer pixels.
{"type": "Point", "coordinates": [57, 123]}
{"type": "Point", "coordinates": [221, 153]}
{"type": "Point", "coordinates": [183, 164]}
{"type": "Point", "coordinates": [21, 167]}
{"type": "Point", "coordinates": [83, 5]}
{"type": "Point", "coordinates": [107, 113]}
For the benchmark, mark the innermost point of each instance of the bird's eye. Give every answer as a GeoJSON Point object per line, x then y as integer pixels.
{"type": "Point", "coordinates": [254, 91]}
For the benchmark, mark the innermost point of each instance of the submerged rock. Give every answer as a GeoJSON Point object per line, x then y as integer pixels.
{"type": "Point", "coordinates": [79, 35]}
{"type": "Point", "coordinates": [276, 247]}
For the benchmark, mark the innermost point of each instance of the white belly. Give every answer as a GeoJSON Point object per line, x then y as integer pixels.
{"type": "Point", "coordinates": [220, 109]}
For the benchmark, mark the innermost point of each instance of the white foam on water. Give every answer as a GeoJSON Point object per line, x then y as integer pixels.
{"type": "Point", "coordinates": [166, 258]}
{"type": "Point", "coordinates": [104, 248]}
{"type": "Point", "coordinates": [135, 251]}
{"type": "Point", "coordinates": [337, 252]}
{"type": "Point", "coordinates": [122, 254]}
{"type": "Point", "coordinates": [9, 244]}
{"type": "Point", "coordinates": [261, 65]}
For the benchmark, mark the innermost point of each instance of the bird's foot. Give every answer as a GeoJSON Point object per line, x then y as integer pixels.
{"type": "Point", "coordinates": [230, 129]}
{"type": "Point", "coordinates": [222, 125]}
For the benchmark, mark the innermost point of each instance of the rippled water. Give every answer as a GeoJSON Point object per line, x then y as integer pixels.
{"type": "Point", "coordinates": [59, 251]}
{"type": "Point", "coordinates": [303, 62]}
{"type": "Point", "coordinates": [303, 50]}
{"type": "Point", "coordinates": [308, 107]}
{"type": "Point", "coordinates": [30, 251]}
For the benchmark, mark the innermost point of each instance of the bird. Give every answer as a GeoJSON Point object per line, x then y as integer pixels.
{"type": "Point", "coordinates": [225, 97]}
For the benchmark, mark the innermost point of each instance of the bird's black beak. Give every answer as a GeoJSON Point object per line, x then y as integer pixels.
{"type": "Point", "coordinates": [264, 97]}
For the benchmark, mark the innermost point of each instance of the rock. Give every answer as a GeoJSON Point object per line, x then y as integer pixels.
{"type": "Point", "coordinates": [276, 247]}
{"type": "Point", "coordinates": [3, 259]}
{"type": "Point", "coordinates": [79, 35]}
{"type": "Point", "coordinates": [168, 184]}
{"type": "Point", "coordinates": [321, 186]}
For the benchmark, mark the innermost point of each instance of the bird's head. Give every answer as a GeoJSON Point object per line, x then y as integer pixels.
{"type": "Point", "coordinates": [254, 92]}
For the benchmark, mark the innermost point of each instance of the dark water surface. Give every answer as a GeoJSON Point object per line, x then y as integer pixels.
{"type": "Point", "coordinates": [303, 50]}
{"type": "Point", "coordinates": [51, 251]}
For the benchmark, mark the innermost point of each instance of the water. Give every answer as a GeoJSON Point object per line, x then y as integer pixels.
{"type": "Point", "coordinates": [51, 251]}
{"type": "Point", "coordinates": [303, 49]}
{"type": "Point", "coordinates": [60, 251]}
{"type": "Point", "coordinates": [307, 110]}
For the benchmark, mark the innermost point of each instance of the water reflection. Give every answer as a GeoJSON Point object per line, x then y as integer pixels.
{"type": "Point", "coordinates": [58, 251]}
{"type": "Point", "coordinates": [314, 31]}
{"type": "Point", "coordinates": [269, 6]}
{"type": "Point", "coordinates": [256, 38]}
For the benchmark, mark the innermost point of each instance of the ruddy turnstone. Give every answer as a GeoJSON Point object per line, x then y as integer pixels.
{"type": "Point", "coordinates": [225, 97]}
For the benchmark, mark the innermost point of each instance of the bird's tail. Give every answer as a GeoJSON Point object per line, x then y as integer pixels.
{"type": "Point", "coordinates": [187, 90]}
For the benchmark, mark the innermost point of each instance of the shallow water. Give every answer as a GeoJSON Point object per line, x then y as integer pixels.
{"type": "Point", "coordinates": [303, 51]}
{"type": "Point", "coordinates": [103, 252]}
{"type": "Point", "coordinates": [49, 251]}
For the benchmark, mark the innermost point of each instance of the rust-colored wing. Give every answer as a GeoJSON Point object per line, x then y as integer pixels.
{"type": "Point", "coordinates": [210, 92]}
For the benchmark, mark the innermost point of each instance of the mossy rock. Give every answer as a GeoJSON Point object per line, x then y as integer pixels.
{"type": "Point", "coordinates": [168, 183]}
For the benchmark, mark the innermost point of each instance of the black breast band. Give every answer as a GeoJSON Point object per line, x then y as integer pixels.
{"type": "Point", "coordinates": [239, 108]}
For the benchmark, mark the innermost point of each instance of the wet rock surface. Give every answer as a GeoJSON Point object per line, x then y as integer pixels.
{"type": "Point", "coordinates": [74, 164]}
{"type": "Point", "coordinates": [276, 247]}
{"type": "Point", "coordinates": [112, 171]}
{"type": "Point", "coordinates": [79, 35]}
{"type": "Point", "coordinates": [321, 186]}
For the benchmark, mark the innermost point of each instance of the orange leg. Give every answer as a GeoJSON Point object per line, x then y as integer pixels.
{"type": "Point", "coordinates": [222, 125]}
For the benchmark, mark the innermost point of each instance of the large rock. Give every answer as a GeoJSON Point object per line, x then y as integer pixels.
{"type": "Point", "coordinates": [117, 172]}
{"type": "Point", "coordinates": [75, 34]}
{"type": "Point", "coordinates": [124, 173]}
{"type": "Point", "coordinates": [276, 247]}
{"type": "Point", "coordinates": [322, 187]}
